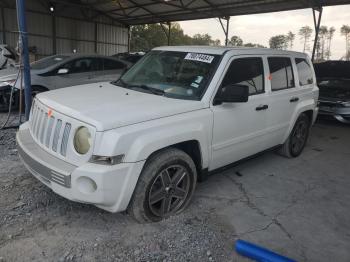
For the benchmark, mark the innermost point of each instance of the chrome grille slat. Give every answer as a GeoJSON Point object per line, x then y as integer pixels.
{"type": "Point", "coordinates": [40, 117]}
{"type": "Point", "coordinates": [56, 135]}
{"type": "Point", "coordinates": [65, 139]}
{"type": "Point", "coordinates": [49, 131]}
{"type": "Point", "coordinates": [35, 120]}
{"type": "Point", "coordinates": [44, 128]}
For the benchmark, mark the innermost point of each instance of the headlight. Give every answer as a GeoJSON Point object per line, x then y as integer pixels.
{"type": "Point", "coordinates": [82, 140]}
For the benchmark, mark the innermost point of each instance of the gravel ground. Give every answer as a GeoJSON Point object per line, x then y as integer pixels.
{"type": "Point", "coordinates": [38, 225]}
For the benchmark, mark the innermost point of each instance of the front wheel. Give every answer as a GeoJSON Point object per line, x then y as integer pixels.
{"type": "Point", "coordinates": [297, 138]}
{"type": "Point", "coordinates": [165, 186]}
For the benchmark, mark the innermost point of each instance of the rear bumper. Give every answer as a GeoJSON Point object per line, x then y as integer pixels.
{"type": "Point", "coordinates": [107, 187]}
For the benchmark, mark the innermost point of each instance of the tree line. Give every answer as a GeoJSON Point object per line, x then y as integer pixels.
{"type": "Point", "coordinates": [146, 37]}
{"type": "Point", "coordinates": [323, 45]}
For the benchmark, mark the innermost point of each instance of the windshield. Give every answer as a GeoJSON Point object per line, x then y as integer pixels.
{"type": "Point", "coordinates": [334, 83]}
{"type": "Point", "coordinates": [173, 74]}
{"type": "Point", "coordinates": [48, 61]}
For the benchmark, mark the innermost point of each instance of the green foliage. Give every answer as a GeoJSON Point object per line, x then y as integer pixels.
{"type": "Point", "coordinates": [282, 41]}
{"type": "Point", "coordinates": [235, 41]}
{"type": "Point", "coordinates": [254, 45]}
{"type": "Point", "coordinates": [278, 42]}
{"type": "Point", "coordinates": [146, 37]}
{"type": "Point", "coordinates": [345, 31]}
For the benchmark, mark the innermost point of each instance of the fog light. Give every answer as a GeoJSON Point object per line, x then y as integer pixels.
{"type": "Point", "coordinates": [86, 185]}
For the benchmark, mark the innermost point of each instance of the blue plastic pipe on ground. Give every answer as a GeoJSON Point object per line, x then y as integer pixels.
{"type": "Point", "coordinates": [259, 254]}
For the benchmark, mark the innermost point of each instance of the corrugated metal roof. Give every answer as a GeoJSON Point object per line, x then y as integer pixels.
{"type": "Point", "coordinates": [132, 12]}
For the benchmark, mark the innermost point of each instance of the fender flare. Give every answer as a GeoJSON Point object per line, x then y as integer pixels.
{"type": "Point", "coordinates": [302, 107]}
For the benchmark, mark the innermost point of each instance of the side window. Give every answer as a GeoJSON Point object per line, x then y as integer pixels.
{"type": "Point", "coordinates": [83, 65]}
{"type": "Point", "coordinates": [304, 72]}
{"type": "Point", "coordinates": [246, 71]}
{"type": "Point", "coordinates": [281, 71]}
{"type": "Point", "coordinates": [110, 64]}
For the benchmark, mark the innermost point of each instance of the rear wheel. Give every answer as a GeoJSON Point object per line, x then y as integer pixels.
{"type": "Point", "coordinates": [165, 186]}
{"type": "Point", "coordinates": [297, 138]}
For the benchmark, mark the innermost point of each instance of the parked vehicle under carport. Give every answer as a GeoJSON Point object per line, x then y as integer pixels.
{"type": "Point", "coordinates": [333, 79]}
{"type": "Point", "coordinates": [60, 71]}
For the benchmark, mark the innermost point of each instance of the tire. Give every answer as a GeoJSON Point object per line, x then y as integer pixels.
{"type": "Point", "coordinates": [297, 139]}
{"type": "Point", "coordinates": [165, 186]}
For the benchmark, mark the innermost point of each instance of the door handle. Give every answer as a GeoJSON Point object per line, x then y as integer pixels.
{"type": "Point", "coordinates": [262, 107]}
{"type": "Point", "coordinates": [294, 99]}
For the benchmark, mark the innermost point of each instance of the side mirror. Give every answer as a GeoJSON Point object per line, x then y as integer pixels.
{"type": "Point", "coordinates": [232, 94]}
{"type": "Point", "coordinates": [62, 71]}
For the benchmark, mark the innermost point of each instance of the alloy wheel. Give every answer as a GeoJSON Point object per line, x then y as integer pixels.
{"type": "Point", "coordinates": [299, 137]}
{"type": "Point", "coordinates": [169, 191]}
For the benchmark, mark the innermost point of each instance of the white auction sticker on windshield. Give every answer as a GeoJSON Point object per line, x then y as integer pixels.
{"type": "Point", "coordinates": [200, 57]}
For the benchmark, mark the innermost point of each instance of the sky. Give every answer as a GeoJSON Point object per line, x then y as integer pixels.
{"type": "Point", "coordinates": [259, 28]}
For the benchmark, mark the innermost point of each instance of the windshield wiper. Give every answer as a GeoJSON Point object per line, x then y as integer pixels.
{"type": "Point", "coordinates": [152, 90]}
{"type": "Point", "coordinates": [119, 82]}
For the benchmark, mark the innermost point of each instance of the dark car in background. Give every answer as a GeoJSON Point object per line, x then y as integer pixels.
{"type": "Point", "coordinates": [333, 78]}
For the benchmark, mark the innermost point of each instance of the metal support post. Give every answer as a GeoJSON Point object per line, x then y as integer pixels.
{"type": "Point", "coordinates": [317, 23]}
{"type": "Point", "coordinates": [225, 29]}
{"type": "Point", "coordinates": [167, 32]}
{"type": "Point", "coordinates": [22, 23]}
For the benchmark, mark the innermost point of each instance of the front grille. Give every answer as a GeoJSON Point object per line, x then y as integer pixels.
{"type": "Point", "coordinates": [50, 131]}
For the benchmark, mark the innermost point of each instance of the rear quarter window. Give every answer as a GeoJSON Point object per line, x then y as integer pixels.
{"type": "Point", "coordinates": [304, 72]}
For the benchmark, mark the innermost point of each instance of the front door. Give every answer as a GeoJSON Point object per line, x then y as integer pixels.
{"type": "Point", "coordinates": [239, 128]}
{"type": "Point", "coordinates": [77, 72]}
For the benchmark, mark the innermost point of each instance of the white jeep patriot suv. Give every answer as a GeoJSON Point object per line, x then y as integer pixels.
{"type": "Point", "coordinates": [142, 142]}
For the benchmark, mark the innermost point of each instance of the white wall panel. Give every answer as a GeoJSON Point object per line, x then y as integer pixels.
{"type": "Point", "coordinates": [70, 34]}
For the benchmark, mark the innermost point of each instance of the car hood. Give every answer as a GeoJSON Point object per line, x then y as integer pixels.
{"type": "Point", "coordinates": [334, 94]}
{"type": "Point", "coordinates": [107, 106]}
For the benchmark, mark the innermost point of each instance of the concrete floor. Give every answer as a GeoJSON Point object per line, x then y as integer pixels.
{"type": "Point", "coordinates": [297, 207]}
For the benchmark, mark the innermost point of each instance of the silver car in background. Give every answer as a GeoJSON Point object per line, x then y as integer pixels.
{"type": "Point", "coordinates": [64, 70]}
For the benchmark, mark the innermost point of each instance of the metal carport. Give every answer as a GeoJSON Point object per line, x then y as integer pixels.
{"type": "Point", "coordinates": [134, 12]}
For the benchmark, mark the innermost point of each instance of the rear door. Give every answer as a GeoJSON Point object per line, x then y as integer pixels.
{"type": "Point", "coordinates": [283, 98]}
{"type": "Point", "coordinates": [239, 128]}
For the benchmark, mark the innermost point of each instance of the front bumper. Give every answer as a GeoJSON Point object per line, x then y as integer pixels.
{"type": "Point", "coordinates": [335, 110]}
{"type": "Point", "coordinates": [107, 187]}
